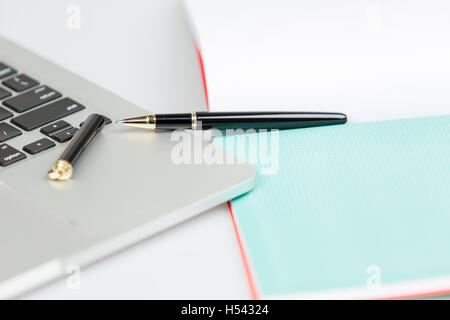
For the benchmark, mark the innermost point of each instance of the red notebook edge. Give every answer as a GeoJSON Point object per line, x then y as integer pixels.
{"type": "Point", "coordinates": [202, 73]}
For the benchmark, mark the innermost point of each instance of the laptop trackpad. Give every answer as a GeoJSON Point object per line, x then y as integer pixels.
{"type": "Point", "coordinates": [30, 236]}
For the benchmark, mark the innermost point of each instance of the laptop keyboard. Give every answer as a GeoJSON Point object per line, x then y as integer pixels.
{"type": "Point", "coordinates": [36, 106]}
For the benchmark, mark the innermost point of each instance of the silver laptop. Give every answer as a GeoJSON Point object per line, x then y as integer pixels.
{"type": "Point", "coordinates": [125, 188]}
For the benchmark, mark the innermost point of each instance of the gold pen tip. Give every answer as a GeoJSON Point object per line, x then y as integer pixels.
{"type": "Point", "coordinates": [144, 122]}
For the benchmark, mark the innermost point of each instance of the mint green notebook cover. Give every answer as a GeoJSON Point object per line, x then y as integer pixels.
{"type": "Point", "coordinates": [348, 201]}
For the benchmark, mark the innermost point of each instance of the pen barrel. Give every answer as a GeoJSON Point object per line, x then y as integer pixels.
{"type": "Point", "coordinates": [93, 124]}
{"type": "Point", "coordinates": [247, 120]}
{"type": "Point", "coordinates": [174, 121]}
{"type": "Point", "coordinates": [267, 120]}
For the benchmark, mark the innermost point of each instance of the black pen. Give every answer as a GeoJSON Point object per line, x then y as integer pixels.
{"type": "Point", "coordinates": [62, 169]}
{"type": "Point", "coordinates": [235, 120]}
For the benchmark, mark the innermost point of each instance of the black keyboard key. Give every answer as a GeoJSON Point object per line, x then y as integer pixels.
{"type": "Point", "coordinates": [9, 155]}
{"type": "Point", "coordinates": [6, 70]}
{"type": "Point", "coordinates": [46, 114]}
{"type": "Point", "coordinates": [20, 83]}
{"type": "Point", "coordinates": [4, 93]}
{"type": "Point", "coordinates": [7, 132]}
{"type": "Point", "coordinates": [65, 135]}
{"type": "Point", "coordinates": [55, 127]}
{"type": "Point", "coordinates": [5, 114]}
{"type": "Point", "coordinates": [39, 146]}
{"type": "Point", "coordinates": [32, 99]}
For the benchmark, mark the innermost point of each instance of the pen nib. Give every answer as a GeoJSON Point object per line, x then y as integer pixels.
{"type": "Point", "coordinates": [145, 122]}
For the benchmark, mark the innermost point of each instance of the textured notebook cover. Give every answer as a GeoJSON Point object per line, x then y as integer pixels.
{"type": "Point", "coordinates": [362, 205]}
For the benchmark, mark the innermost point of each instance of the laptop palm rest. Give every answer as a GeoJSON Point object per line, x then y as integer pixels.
{"type": "Point", "coordinates": [31, 237]}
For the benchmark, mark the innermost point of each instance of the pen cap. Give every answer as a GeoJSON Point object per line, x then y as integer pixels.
{"type": "Point", "coordinates": [93, 124]}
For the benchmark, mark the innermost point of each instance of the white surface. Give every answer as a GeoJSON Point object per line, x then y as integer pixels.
{"type": "Point", "coordinates": [143, 52]}
{"type": "Point", "coordinates": [373, 60]}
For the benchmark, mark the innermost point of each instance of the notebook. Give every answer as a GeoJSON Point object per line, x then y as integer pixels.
{"type": "Point", "coordinates": [354, 211]}
{"type": "Point", "coordinates": [370, 60]}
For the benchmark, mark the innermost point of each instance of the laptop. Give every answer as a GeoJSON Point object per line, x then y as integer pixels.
{"type": "Point", "coordinates": [125, 188]}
